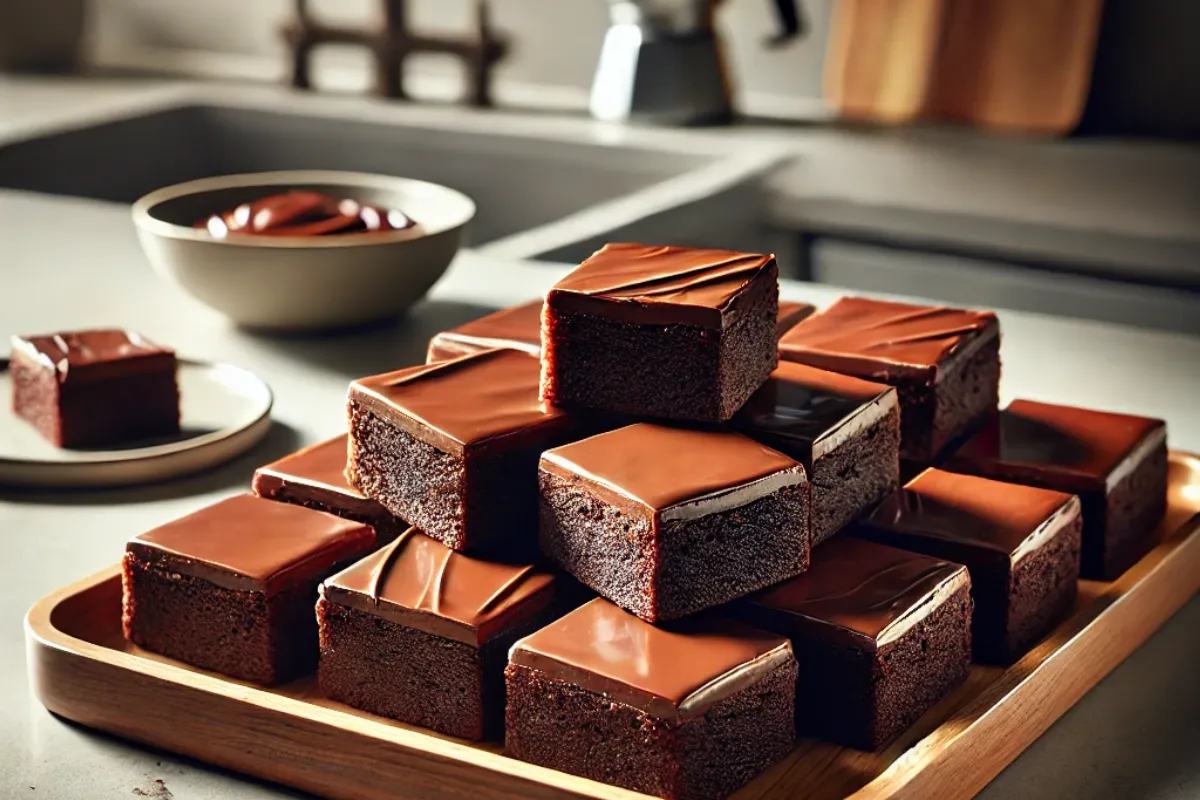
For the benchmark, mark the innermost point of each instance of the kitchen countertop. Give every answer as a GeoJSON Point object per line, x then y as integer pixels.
{"type": "Point", "coordinates": [67, 263]}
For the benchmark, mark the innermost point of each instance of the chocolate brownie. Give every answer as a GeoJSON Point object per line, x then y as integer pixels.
{"type": "Point", "coordinates": [1021, 545]}
{"type": "Point", "coordinates": [420, 633]}
{"type": "Point", "coordinates": [1116, 463]}
{"type": "Point", "coordinates": [516, 328]}
{"type": "Point", "coordinates": [315, 477]}
{"type": "Point", "coordinates": [882, 634]}
{"type": "Point", "coordinates": [945, 362]}
{"type": "Point", "coordinates": [231, 588]}
{"type": "Point", "coordinates": [845, 431]}
{"type": "Point", "coordinates": [691, 712]}
{"type": "Point", "coordinates": [667, 332]}
{"type": "Point", "coordinates": [790, 315]}
{"type": "Point", "coordinates": [666, 521]}
{"type": "Point", "coordinates": [94, 388]}
{"type": "Point", "coordinates": [453, 447]}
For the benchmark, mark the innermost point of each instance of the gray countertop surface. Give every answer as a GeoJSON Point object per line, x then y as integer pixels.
{"type": "Point", "coordinates": [74, 263]}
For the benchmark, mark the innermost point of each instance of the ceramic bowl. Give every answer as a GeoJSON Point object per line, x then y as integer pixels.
{"type": "Point", "coordinates": [292, 283]}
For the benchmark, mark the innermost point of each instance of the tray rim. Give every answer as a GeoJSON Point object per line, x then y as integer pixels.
{"type": "Point", "coordinates": [1169, 575]}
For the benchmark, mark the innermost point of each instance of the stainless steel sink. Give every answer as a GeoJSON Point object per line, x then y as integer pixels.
{"type": "Point", "coordinates": [545, 187]}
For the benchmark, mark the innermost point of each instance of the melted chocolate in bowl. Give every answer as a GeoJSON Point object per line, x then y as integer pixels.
{"type": "Point", "coordinates": [304, 213]}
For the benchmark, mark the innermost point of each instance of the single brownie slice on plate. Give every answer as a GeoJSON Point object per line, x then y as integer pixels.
{"type": "Point", "coordinates": [666, 521]}
{"type": "Point", "coordinates": [882, 634]}
{"type": "Point", "coordinates": [1020, 544]}
{"type": "Point", "coordinates": [94, 388]}
{"type": "Point", "coordinates": [453, 447]}
{"type": "Point", "coordinates": [945, 362]}
{"type": "Point", "coordinates": [315, 477]}
{"type": "Point", "coordinates": [1116, 463]}
{"type": "Point", "coordinates": [791, 314]}
{"type": "Point", "coordinates": [517, 328]}
{"type": "Point", "coordinates": [231, 588]}
{"type": "Point", "coordinates": [667, 332]}
{"type": "Point", "coordinates": [420, 633]}
{"type": "Point", "coordinates": [690, 712]}
{"type": "Point", "coordinates": [845, 431]}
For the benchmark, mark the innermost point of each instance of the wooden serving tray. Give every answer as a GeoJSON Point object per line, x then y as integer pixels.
{"type": "Point", "coordinates": [82, 668]}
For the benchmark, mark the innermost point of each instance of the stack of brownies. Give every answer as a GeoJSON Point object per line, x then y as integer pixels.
{"type": "Point", "coordinates": [670, 551]}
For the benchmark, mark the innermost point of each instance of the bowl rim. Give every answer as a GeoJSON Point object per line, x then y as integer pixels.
{"type": "Point", "coordinates": [146, 221]}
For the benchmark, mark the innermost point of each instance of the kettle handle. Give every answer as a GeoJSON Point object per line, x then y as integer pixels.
{"type": "Point", "coordinates": [791, 23]}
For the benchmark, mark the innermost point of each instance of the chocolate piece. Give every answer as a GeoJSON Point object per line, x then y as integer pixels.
{"type": "Point", "coordinates": [94, 388]}
{"type": "Point", "coordinates": [420, 633]}
{"type": "Point", "coordinates": [1116, 463]}
{"type": "Point", "coordinates": [945, 362]}
{"type": "Point", "coordinates": [667, 332]}
{"type": "Point", "coordinates": [883, 635]}
{"type": "Point", "coordinates": [845, 431]}
{"type": "Point", "coordinates": [516, 328]}
{"type": "Point", "coordinates": [695, 711]}
{"type": "Point", "coordinates": [231, 588]}
{"type": "Point", "coordinates": [1021, 545]}
{"type": "Point", "coordinates": [304, 213]}
{"type": "Point", "coordinates": [790, 315]}
{"type": "Point", "coordinates": [667, 521]}
{"type": "Point", "coordinates": [315, 477]}
{"type": "Point", "coordinates": [453, 447]}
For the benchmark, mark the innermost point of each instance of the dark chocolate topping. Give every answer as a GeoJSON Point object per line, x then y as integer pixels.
{"type": "Point", "coordinates": [80, 355]}
{"type": "Point", "coordinates": [860, 587]}
{"type": "Point", "coordinates": [790, 314]}
{"type": "Point", "coordinates": [304, 213]}
{"type": "Point", "coordinates": [246, 543]}
{"type": "Point", "coordinates": [800, 405]}
{"type": "Point", "coordinates": [662, 285]}
{"type": "Point", "coordinates": [475, 401]}
{"type": "Point", "coordinates": [661, 467]}
{"type": "Point", "coordinates": [518, 328]}
{"type": "Point", "coordinates": [322, 465]}
{"type": "Point", "coordinates": [1080, 445]}
{"type": "Point", "coordinates": [977, 512]}
{"type": "Point", "coordinates": [419, 582]}
{"type": "Point", "coordinates": [670, 673]}
{"type": "Point", "coordinates": [877, 339]}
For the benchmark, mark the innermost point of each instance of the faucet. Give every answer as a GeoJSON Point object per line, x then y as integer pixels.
{"type": "Point", "coordinates": [662, 60]}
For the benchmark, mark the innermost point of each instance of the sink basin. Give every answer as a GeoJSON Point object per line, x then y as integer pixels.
{"type": "Point", "coordinates": [544, 186]}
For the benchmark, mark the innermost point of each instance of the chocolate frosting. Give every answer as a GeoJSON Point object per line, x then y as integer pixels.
{"type": "Point", "coordinates": [678, 473]}
{"type": "Point", "coordinates": [94, 354]}
{"type": "Point", "coordinates": [801, 406]}
{"type": "Point", "coordinates": [246, 543]}
{"type": "Point", "coordinates": [671, 673]}
{"type": "Point", "coordinates": [965, 513]}
{"type": "Point", "coordinates": [304, 213]}
{"type": "Point", "coordinates": [790, 315]}
{"type": "Point", "coordinates": [883, 340]}
{"type": "Point", "coordinates": [659, 285]}
{"type": "Point", "coordinates": [478, 401]}
{"type": "Point", "coordinates": [1076, 448]}
{"type": "Point", "coordinates": [856, 591]}
{"type": "Point", "coordinates": [420, 583]}
{"type": "Point", "coordinates": [318, 474]}
{"type": "Point", "coordinates": [517, 328]}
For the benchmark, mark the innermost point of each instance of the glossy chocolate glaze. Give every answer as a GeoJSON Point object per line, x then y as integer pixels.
{"type": "Point", "coordinates": [879, 340]}
{"type": "Point", "coordinates": [653, 285]}
{"type": "Point", "coordinates": [318, 474]}
{"type": "Point", "coordinates": [93, 354]}
{"type": "Point", "coordinates": [304, 213]}
{"type": "Point", "coordinates": [486, 399]}
{"type": "Point", "coordinates": [1077, 448]}
{"type": "Point", "coordinates": [972, 514]}
{"type": "Point", "coordinates": [856, 591]}
{"type": "Point", "coordinates": [517, 328]}
{"type": "Point", "coordinates": [420, 583]}
{"type": "Point", "coordinates": [669, 673]}
{"type": "Point", "coordinates": [678, 473]}
{"type": "Point", "coordinates": [249, 544]}
{"type": "Point", "coordinates": [790, 315]}
{"type": "Point", "coordinates": [805, 412]}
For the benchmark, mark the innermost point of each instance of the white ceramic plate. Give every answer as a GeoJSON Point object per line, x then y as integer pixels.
{"type": "Point", "coordinates": [225, 411]}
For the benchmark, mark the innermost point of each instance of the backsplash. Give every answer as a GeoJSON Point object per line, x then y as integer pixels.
{"type": "Point", "coordinates": [556, 42]}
